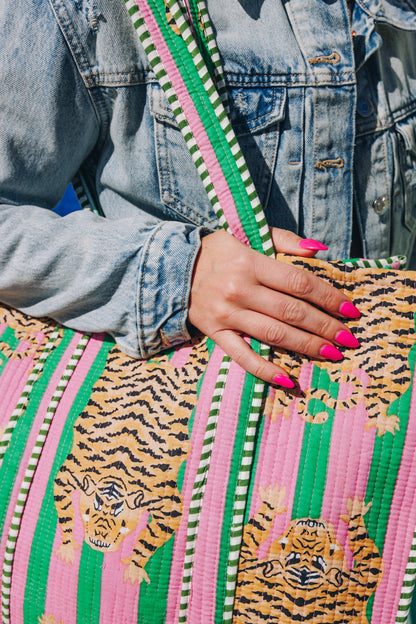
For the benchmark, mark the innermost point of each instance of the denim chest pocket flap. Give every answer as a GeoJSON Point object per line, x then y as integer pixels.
{"type": "Point", "coordinates": [255, 114]}
{"type": "Point", "coordinates": [256, 109]}
{"type": "Point", "coordinates": [406, 132]}
{"type": "Point", "coordinates": [398, 13]}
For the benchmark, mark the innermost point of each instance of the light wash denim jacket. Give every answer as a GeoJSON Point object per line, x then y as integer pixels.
{"type": "Point", "coordinates": [325, 111]}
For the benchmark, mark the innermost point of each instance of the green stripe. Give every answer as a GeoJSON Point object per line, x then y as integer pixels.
{"type": "Point", "coordinates": [154, 596]}
{"type": "Point", "coordinates": [89, 586]}
{"type": "Point", "coordinates": [227, 520]}
{"type": "Point", "coordinates": [385, 465]}
{"type": "Point", "coordinates": [41, 551]}
{"type": "Point", "coordinates": [16, 449]}
{"type": "Point", "coordinates": [8, 337]}
{"type": "Point", "coordinates": [313, 464]}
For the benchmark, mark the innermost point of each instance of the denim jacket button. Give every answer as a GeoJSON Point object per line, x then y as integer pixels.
{"type": "Point", "coordinates": [364, 107]}
{"type": "Point", "coordinates": [380, 205]}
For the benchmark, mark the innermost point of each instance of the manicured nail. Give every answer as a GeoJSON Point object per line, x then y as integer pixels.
{"type": "Point", "coordinates": [331, 353]}
{"type": "Point", "coordinates": [282, 380]}
{"type": "Point", "coordinates": [346, 339]}
{"type": "Point", "coordinates": [349, 310]}
{"type": "Point", "coordinates": [312, 244]}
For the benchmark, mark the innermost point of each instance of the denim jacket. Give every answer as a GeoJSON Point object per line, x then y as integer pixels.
{"type": "Point", "coordinates": [323, 104]}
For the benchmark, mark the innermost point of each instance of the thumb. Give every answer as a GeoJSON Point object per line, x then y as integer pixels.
{"type": "Point", "coordinates": [285, 241]}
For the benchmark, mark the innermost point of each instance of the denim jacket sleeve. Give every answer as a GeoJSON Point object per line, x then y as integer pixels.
{"type": "Point", "coordinates": [128, 276]}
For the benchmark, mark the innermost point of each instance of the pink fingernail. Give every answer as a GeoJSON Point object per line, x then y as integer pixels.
{"type": "Point", "coordinates": [349, 310]}
{"type": "Point", "coordinates": [312, 244]}
{"type": "Point", "coordinates": [346, 339]}
{"type": "Point", "coordinates": [331, 353]}
{"type": "Point", "coordinates": [282, 380]}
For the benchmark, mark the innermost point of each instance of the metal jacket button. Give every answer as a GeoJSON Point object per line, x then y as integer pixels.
{"type": "Point", "coordinates": [380, 205]}
{"type": "Point", "coordinates": [364, 107]}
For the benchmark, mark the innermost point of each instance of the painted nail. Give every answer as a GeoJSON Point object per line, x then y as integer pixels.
{"type": "Point", "coordinates": [346, 339]}
{"type": "Point", "coordinates": [312, 244]}
{"type": "Point", "coordinates": [349, 310]}
{"type": "Point", "coordinates": [331, 353]}
{"type": "Point", "coordinates": [282, 380]}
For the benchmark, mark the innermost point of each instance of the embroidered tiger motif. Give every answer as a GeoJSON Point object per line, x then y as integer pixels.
{"type": "Point", "coordinates": [129, 444]}
{"type": "Point", "coordinates": [304, 577]}
{"type": "Point", "coordinates": [35, 331]}
{"type": "Point", "coordinates": [386, 333]}
{"type": "Point", "coordinates": [272, 407]}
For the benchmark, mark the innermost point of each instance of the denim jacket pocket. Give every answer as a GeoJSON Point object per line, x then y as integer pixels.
{"type": "Point", "coordinates": [405, 131]}
{"type": "Point", "coordinates": [398, 13]}
{"type": "Point", "coordinates": [255, 116]}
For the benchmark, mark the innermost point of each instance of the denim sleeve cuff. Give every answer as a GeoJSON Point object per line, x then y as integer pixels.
{"type": "Point", "coordinates": [164, 286]}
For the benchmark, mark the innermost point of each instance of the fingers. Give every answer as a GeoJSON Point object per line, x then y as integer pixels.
{"type": "Point", "coordinates": [279, 334]}
{"type": "Point", "coordinates": [298, 313]}
{"type": "Point", "coordinates": [240, 351]}
{"type": "Point", "coordinates": [236, 290]}
{"type": "Point", "coordinates": [290, 243]}
{"type": "Point", "coordinates": [302, 285]}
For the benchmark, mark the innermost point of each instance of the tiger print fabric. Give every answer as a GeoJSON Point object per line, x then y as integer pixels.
{"type": "Point", "coordinates": [304, 576]}
{"type": "Point", "coordinates": [129, 444]}
{"type": "Point", "coordinates": [386, 332]}
{"type": "Point", "coordinates": [34, 332]}
{"type": "Point", "coordinates": [110, 514]}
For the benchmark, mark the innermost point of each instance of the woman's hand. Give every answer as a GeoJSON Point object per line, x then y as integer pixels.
{"type": "Point", "coordinates": [237, 291]}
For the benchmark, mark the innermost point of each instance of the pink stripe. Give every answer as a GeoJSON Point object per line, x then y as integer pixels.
{"type": "Point", "coordinates": [120, 600]}
{"type": "Point", "coordinates": [39, 484]}
{"type": "Point", "coordinates": [62, 590]}
{"type": "Point", "coordinates": [180, 356]}
{"type": "Point", "coordinates": [400, 528]}
{"type": "Point", "coordinates": [203, 602]}
{"type": "Point", "coordinates": [14, 377]}
{"type": "Point", "coordinates": [278, 462]}
{"type": "Point", "coordinates": [197, 439]}
{"type": "Point", "coordinates": [214, 168]}
{"type": "Point", "coordinates": [12, 383]}
{"type": "Point", "coordinates": [349, 462]}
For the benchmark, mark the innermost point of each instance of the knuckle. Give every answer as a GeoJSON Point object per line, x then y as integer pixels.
{"type": "Point", "coordinates": [232, 290]}
{"type": "Point", "coordinates": [275, 334]}
{"type": "Point", "coordinates": [293, 312]}
{"type": "Point", "coordinates": [222, 312]}
{"type": "Point", "coordinates": [301, 283]}
{"type": "Point", "coordinates": [306, 345]}
{"type": "Point", "coordinates": [326, 326]}
{"type": "Point", "coordinates": [242, 263]}
{"type": "Point", "coordinates": [259, 370]}
{"type": "Point", "coordinates": [327, 299]}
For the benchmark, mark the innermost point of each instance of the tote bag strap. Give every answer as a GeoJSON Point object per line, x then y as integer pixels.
{"type": "Point", "coordinates": [180, 45]}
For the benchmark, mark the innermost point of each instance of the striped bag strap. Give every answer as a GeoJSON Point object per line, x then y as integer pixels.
{"type": "Point", "coordinates": [179, 42]}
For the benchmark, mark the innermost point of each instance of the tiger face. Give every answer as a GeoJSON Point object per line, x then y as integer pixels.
{"type": "Point", "coordinates": [108, 512]}
{"type": "Point", "coordinates": [308, 556]}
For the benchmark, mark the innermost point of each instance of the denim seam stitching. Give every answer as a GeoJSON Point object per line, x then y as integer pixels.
{"type": "Point", "coordinates": [70, 37]}
{"type": "Point", "coordinates": [140, 324]}
{"type": "Point", "coordinates": [186, 292]}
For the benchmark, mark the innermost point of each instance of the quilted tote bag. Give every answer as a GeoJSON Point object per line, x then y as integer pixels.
{"type": "Point", "coordinates": [181, 489]}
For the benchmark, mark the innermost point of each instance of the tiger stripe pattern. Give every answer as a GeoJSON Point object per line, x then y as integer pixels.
{"type": "Point", "coordinates": [386, 333]}
{"type": "Point", "coordinates": [273, 408]}
{"type": "Point", "coordinates": [129, 444]}
{"type": "Point", "coordinates": [35, 331]}
{"type": "Point", "coordinates": [304, 576]}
